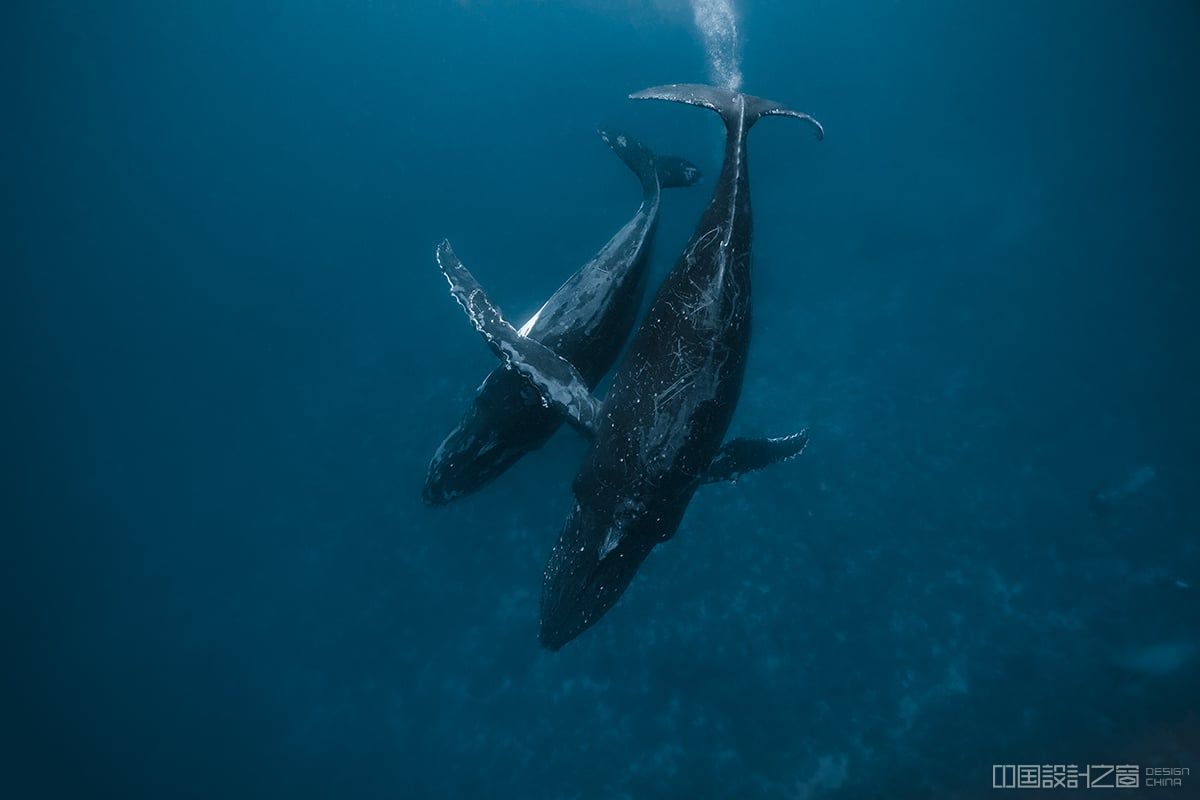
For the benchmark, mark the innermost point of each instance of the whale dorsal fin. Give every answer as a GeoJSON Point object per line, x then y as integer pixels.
{"type": "Point", "coordinates": [555, 378]}
{"type": "Point", "coordinates": [739, 456]}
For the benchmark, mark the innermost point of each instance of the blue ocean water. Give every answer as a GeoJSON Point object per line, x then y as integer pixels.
{"type": "Point", "coordinates": [234, 357]}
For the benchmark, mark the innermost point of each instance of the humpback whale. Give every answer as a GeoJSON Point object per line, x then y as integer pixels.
{"type": "Point", "coordinates": [586, 321]}
{"type": "Point", "coordinates": [657, 436]}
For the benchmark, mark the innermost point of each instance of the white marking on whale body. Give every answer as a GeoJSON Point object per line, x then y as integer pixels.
{"type": "Point", "coordinates": [611, 540]}
{"type": "Point", "coordinates": [528, 326]}
{"type": "Point", "coordinates": [737, 173]}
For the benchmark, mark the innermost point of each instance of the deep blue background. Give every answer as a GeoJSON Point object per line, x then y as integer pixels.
{"type": "Point", "coordinates": [232, 356]}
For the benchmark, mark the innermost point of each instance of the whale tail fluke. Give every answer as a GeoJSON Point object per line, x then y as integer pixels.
{"type": "Point", "coordinates": [725, 102]}
{"type": "Point", "coordinates": [654, 172]}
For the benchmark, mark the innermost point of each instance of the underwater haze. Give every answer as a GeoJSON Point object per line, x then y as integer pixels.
{"type": "Point", "coordinates": [235, 356]}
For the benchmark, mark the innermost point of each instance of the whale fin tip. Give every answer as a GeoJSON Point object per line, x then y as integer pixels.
{"type": "Point", "coordinates": [739, 456]}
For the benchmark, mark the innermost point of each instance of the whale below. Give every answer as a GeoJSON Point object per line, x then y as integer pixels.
{"type": "Point", "coordinates": [587, 321]}
{"type": "Point", "coordinates": [657, 436]}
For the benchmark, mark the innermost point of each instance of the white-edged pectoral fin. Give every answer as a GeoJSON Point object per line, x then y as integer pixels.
{"type": "Point", "coordinates": [739, 456]}
{"type": "Point", "coordinates": [556, 380]}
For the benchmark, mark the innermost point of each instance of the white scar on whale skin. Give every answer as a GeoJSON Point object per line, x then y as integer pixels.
{"type": "Point", "coordinates": [718, 25]}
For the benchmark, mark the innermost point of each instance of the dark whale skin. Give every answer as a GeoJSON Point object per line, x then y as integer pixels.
{"type": "Point", "coordinates": [586, 321]}
{"type": "Point", "coordinates": [664, 420]}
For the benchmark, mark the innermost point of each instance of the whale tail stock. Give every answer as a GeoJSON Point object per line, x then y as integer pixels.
{"type": "Point", "coordinates": [671, 172]}
{"type": "Point", "coordinates": [725, 102]}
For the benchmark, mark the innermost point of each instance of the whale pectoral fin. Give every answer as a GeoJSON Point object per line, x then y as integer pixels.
{"type": "Point", "coordinates": [555, 379]}
{"type": "Point", "coordinates": [740, 456]}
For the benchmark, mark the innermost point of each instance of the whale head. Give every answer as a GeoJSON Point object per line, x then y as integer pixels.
{"type": "Point", "coordinates": [505, 421]}
{"type": "Point", "coordinates": [463, 464]}
{"type": "Point", "coordinates": [594, 561]}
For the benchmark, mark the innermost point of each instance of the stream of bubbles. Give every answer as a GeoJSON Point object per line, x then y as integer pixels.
{"type": "Point", "coordinates": [718, 25]}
